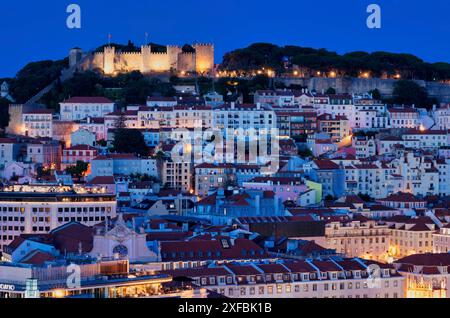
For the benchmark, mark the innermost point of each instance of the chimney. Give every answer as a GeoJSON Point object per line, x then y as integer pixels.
{"type": "Point", "coordinates": [232, 105]}
{"type": "Point", "coordinates": [258, 106]}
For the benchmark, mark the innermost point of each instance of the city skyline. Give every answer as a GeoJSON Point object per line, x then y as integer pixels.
{"type": "Point", "coordinates": [416, 25]}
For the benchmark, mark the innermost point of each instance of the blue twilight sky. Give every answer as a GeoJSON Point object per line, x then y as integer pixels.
{"type": "Point", "coordinates": [32, 30]}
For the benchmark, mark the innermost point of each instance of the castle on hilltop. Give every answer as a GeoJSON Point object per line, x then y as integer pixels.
{"type": "Point", "coordinates": [174, 58]}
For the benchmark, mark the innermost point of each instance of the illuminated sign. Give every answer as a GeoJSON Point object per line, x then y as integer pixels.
{"type": "Point", "coordinates": [7, 287]}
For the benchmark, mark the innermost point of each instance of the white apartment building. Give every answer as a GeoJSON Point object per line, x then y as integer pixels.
{"type": "Point", "coordinates": [38, 123]}
{"type": "Point", "coordinates": [161, 101]}
{"type": "Point", "coordinates": [244, 116]}
{"type": "Point", "coordinates": [78, 108]}
{"type": "Point", "coordinates": [370, 114]}
{"type": "Point", "coordinates": [442, 117]}
{"type": "Point", "coordinates": [367, 239]}
{"type": "Point", "coordinates": [404, 118]}
{"type": "Point", "coordinates": [37, 209]}
{"type": "Point", "coordinates": [181, 116]}
{"type": "Point", "coordinates": [427, 138]}
{"type": "Point", "coordinates": [365, 146]}
{"type": "Point", "coordinates": [346, 278]}
{"type": "Point", "coordinates": [441, 240]}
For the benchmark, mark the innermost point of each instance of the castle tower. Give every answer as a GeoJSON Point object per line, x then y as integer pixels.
{"type": "Point", "coordinates": [173, 51]}
{"type": "Point", "coordinates": [75, 56]}
{"type": "Point", "coordinates": [146, 54]}
{"type": "Point", "coordinates": [109, 54]}
{"type": "Point", "coordinates": [204, 58]}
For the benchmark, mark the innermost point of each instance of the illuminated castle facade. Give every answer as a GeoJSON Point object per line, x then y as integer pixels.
{"type": "Point", "coordinates": [174, 58]}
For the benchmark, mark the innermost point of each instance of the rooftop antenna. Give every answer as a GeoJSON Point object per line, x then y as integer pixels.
{"type": "Point", "coordinates": [109, 39]}
{"type": "Point", "coordinates": [146, 38]}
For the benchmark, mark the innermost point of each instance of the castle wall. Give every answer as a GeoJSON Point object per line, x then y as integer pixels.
{"type": "Point", "coordinates": [128, 62]}
{"type": "Point", "coordinates": [173, 52]}
{"type": "Point", "coordinates": [204, 55]}
{"type": "Point", "coordinates": [186, 62]}
{"type": "Point", "coordinates": [109, 56]}
{"type": "Point", "coordinates": [147, 61]}
{"type": "Point", "coordinates": [159, 62]}
{"type": "Point", "coordinates": [15, 125]}
{"type": "Point", "coordinates": [362, 85]}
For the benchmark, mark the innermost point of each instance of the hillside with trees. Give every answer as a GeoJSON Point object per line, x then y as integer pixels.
{"type": "Point", "coordinates": [352, 64]}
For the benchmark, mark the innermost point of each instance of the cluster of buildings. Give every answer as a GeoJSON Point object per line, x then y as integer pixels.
{"type": "Point", "coordinates": [299, 194]}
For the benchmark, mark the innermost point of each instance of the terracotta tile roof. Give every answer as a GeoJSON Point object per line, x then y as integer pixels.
{"type": "Point", "coordinates": [81, 147]}
{"type": "Point", "coordinates": [442, 259]}
{"type": "Point", "coordinates": [7, 141]}
{"type": "Point", "coordinates": [243, 270]}
{"type": "Point", "coordinates": [168, 236]}
{"type": "Point", "coordinates": [326, 266]}
{"type": "Point", "coordinates": [198, 272]}
{"type": "Point", "coordinates": [67, 238]}
{"type": "Point", "coordinates": [401, 197]}
{"type": "Point", "coordinates": [326, 165]}
{"type": "Point", "coordinates": [220, 248]}
{"type": "Point", "coordinates": [37, 257]}
{"type": "Point", "coordinates": [102, 180]}
{"type": "Point", "coordinates": [300, 267]}
{"type": "Point", "coordinates": [39, 111]}
{"type": "Point", "coordinates": [273, 268]}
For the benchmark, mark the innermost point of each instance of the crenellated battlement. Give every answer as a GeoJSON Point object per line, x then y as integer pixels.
{"type": "Point", "coordinates": [129, 53]}
{"type": "Point", "coordinates": [112, 61]}
{"type": "Point", "coordinates": [203, 44]}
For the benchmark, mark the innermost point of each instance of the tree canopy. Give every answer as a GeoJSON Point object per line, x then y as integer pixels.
{"type": "Point", "coordinates": [351, 64]}
{"type": "Point", "coordinates": [411, 93]}
{"type": "Point", "coordinates": [34, 77]}
{"type": "Point", "coordinates": [78, 170]}
{"type": "Point", "coordinates": [129, 141]}
{"type": "Point", "coordinates": [125, 89]}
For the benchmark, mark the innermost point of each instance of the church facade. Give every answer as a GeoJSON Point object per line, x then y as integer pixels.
{"type": "Point", "coordinates": [123, 242]}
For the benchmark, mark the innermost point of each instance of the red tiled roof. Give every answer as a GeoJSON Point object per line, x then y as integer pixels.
{"type": "Point", "coordinates": [102, 180]}
{"type": "Point", "coordinates": [168, 236]}
{"type": "Point", "coordinates": [67, 238]}
{"type": "Point", "coordinates": [402, 110]}
{"type": "Point", "coordinates": [243, 270]}
{"type": "Point", "coordinates": [7, 141]}
{"type": "Point", "coordinates": [197, 272]}
{"type": "Point", "coordinates": [401, 197]}
{"type": "Point", "coordinates": [273, 268]}
{"type": "Point", "coordinates": [81, 147]}
{"type": "Point", "coordinates": [326, 164]}
{"type": "Point", "coordinates": [37, 257]}
{"type": "Point", "coordinates": [38, 111]}
{"type": "Point", "coordinates": [208, 250]}
{"type": "Point", "coordinates": [327, 266]}
{"type": "Point", "coordinates": [442, 259]}
{"type": "Point", "coordinates": [300, 267]}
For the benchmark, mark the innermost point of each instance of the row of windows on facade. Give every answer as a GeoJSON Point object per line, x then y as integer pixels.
{"type": "Point", "coordinates": [60, 210]}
